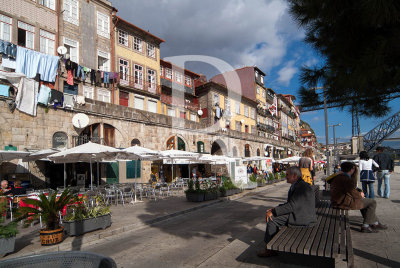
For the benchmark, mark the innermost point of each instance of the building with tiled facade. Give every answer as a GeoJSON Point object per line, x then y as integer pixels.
{"type": "Point", "coordinates": [152, 102]}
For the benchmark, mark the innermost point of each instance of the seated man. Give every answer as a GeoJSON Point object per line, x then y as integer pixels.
{"type": "Point", "coordinates": [4, 188]}
{"type": "Point", "coordinates": [345, 195]}
{"type": "Point", "coordinates": [299, 210]}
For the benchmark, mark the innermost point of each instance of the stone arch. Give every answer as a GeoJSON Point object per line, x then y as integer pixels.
{"type": "Point", "coordinates": [135, 142]}
{"type": "Point", "coordinates": [218, 147]}
{"type": "Point", "coordinates": [176, 142]}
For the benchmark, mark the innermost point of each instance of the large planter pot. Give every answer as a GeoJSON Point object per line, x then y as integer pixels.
{"type": "Point", "coordinates": [195, 197]}
{"type": "Point", "coordinates": [260, 184]}
{"type": "Point", "coordinates": [210, 196]}
{"type": "Point", "coordinates": [51, 237]}
{"type": "Point", "coordinates": [74, 228]}
{"type": "Point", "coordinates": [7, 245]}
{"type": "Point", "coordinates": [229, 192]}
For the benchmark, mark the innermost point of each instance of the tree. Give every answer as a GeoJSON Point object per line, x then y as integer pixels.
{"type": "Point", "coordinates": [360, 43]}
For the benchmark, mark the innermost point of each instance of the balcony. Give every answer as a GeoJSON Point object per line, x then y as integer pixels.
{"type": "Point", "coordinates": [180, 87]}
{"type": "Point", "coordinates": [267, 128]}
{"type": "Point", "coordinates": [269, 99]}
{"type": "Point", "coordinates": [292, 115]}
{"type": "Point", "coordinates": [179, 102]}
{"type": "Point", "coordinates": [79, 140]}
{"type": "Point", "coordinates": [140, 85]}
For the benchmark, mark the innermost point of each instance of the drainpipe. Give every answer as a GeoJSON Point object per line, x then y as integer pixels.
{"type": "Point", "coordinates": [58, 36]}
{"type": "Point", "coordinates": [113, 13]}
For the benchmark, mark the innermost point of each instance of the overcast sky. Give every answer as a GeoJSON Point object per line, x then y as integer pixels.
{"type": "Point", "coordinates": [241, 33]}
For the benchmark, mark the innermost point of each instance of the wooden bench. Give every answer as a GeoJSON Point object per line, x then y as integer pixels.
{"type": "Point", "coordinates": [329, 238]}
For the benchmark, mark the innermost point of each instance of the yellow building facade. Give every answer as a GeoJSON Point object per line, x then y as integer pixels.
{"type": "Point", "coordinates": [137, 59]}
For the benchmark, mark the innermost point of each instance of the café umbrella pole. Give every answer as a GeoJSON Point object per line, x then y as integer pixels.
{"type": "Point", "coordinates": [91, 175]}
{"type": "Point", "coordinates": [65, 176]}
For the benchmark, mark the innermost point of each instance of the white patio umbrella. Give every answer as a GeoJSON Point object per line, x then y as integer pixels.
{"type": "Point", "coordinates": [11, 155]}
{"type": "Point", "coordinates": [143, 153]}
{"type": "Point", "coordinates": [39, 155]}
{"type": "Point", "coordinates": [292, 159]}
{"type": "Point", "coordinates": [177, 154]}
{"type": "Point", "coordinates": [87, 152]}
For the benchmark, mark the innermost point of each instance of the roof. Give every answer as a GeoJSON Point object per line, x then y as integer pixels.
{"type": "Point", "coordinates": [119, 19]}
{"type": "Point", "coordinates": [167, 63]}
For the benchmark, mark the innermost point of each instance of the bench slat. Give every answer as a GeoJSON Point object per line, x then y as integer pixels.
{"type": "Point", "coordinates": [289, 235]}
{"type": "Point", "coordinates": [335, 248]}
{"type": "Point", "coordinates": [282, 238]}
{"type": "Point", "coordinates": [270, 245]}
{"type": "Point", "coordinates": [313, 248]}
{"type": "Point", "coordinates": [349, 243]}
{"type": "Point", "coordinates": [297, 236]}
{"type": "Point", "coordinates": [332, 231]}
{"type": "Point", "coordinates": [301, 236]}
{"type": "Point", "coordinates": [309, 235]}
{"type": "Point", "coordinates": [342, 245]}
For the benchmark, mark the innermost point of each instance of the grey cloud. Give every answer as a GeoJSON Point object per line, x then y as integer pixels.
{"type": "Point", "coordinates": [230, 30]}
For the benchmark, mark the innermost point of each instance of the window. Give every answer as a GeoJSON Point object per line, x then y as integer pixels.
{"type": "Point", "coordinates": [123, 38]}
{"type": "Point", "coordinates": [123, 98]}
{"type": "Point", "coordinates": [171, 143]}
{"type": "Point", "coordinates": [124, 70]}
{"type": "Point", "coordinates": [258, 90]}
{"type": "Point", "coordinates": [139, 103]}
{"type": "Point", "coordinates": [71, 11]}
{"type": "Point", "coordinates": [253, 129]}
{"type": "Point", "coordinates": [138, 76]}
{"type": "Point", "coordinates": [188, 81]}
{"type": "Point", "coordinates": [72, 49]}
{"type": "Point", "coordinates": [5, 28]}
{"type": "Point", "coordinates": [151, 80]}
{"type": "Point", "coordinates": [264, 93]}
{"type": "Point", "coordinates": [246, 150]}
{"type": "Point", "coordinates": [26, 35]}
{"type": "Point", "coordinates": [151, 50]}
{"type": "Point", "coordinates": [161, 70]}
{"type": "Point", "coordinates": [227, 107]}
{"type": "Point", "coordinates": [152, 106]}
{"type": "Point", "coordinates": [193, 117]}
{"type": "Point", "coordinates": [253, 113]}
{"type": "Point", "coordinates": [171, 112]}
{"type": "Point", "coordinates": [200, 147]}
{"type": "Point", "coordinates": [246, 111]}
{"type": "Point", "coordinates": [168, 73]}
{"type": "Point", "coordinates": [103, 95]}
{"type": "Point", "coordinates": [216, 99]}
{"type": "Point", "coordinates": [137, 44]}
{"type": "Point", "coordinates": [238, 126]}
{"type": "Point", "coordinates": [103, 61]}
{"type": "Point", "coordinates": [47, 42]}
{"type": "Point", "coordinates": [178, 77]}
{"type": "Point", "coordinates": [48, 3]}
{"type": "Point", "coordinates": [237, 109]}
{"type": "Point", "coordinates": [133, 169]}
{"type": "Point", "coordinates": [103, 25]}
{"type": "Point", "coordinates": [182, 115]}
{"type": "Point", "coordinates": [246, 128]}
{"type": "Point", "coordinates": [88, 92]}
{"type": "Point", "coordinates": [262, 79]}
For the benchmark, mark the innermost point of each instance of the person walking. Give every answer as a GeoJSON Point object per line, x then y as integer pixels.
{"type": "Point", "coordinates": [249, 169]}
{"type": "Point", "coordinates": [385, 162]}
{"type": "Point", "coordinates": [345, 195]}
{"type": "Point", "coordinates": [367, 177]}
{"type": "Point", "coordinates": [306, 166]}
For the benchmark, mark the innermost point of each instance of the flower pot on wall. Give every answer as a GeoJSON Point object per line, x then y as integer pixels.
{"type": "Point", "coordinates": [74, 228]}
{"type": "Point", "coordinates": [7, 245]}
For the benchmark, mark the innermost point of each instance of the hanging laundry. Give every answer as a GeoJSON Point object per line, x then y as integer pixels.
{"type": "Point", "coordinates": [98, 78]}
{"type": "Point", "coordinates": [44, 95]}
{"type": "Point", "coordinates": [4, 90]}
{"type": "Point", "coordinates": [8, 62]}
{"type": "Point", "coordinates": [26, 99]}
{"type": "Point", "coordinates": [92, 77]}
{"type": "Point", "coordinates": [106, 78]}
{"type": "Point", "coordinates": [74, 68]}
{"type": "Point", "coordinates": [69, 101]}
{"type": "Point", "coordinates": [56, 98]}
{"type": "Point", "coordinates": [70, 78]}
{"type": "Point", "coordinates": [80, 100]}
{"type": "Point", "coordinates": [48, 67]}
{"type": "Point", "coordinates": [68, 64]}
{"type": "Point", "coordinates": [81, 73]}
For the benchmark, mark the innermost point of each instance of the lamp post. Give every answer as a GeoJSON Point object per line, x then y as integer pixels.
{"type": "Point", "coordinates": [334, 139]}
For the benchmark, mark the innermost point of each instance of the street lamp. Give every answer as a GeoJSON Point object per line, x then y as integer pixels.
{"type": "Point", "coordinates": [334, 139]}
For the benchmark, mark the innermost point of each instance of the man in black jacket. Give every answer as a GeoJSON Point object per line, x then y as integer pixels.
{"type": "Point", "coordinates": [299, 210]}
{"type": "Point", "coordinates": [385, 163]}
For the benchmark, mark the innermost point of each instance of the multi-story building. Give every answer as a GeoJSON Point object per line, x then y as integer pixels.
{"type": "Point", "coordinates": [137, 59]}
{"type": "Point", "coordinates": [288, 122]}
{"type": "Point", "coordinates": [308, 138]}
{"type": "Point", "coordinates": [178, 97]}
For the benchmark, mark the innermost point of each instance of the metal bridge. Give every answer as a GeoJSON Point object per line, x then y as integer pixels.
{"type": "Point", "coordinates": [381, 132]}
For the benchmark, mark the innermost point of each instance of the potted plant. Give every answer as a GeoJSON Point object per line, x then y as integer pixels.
{"type": "Point", "coordinates": [83, 217]}
{"type": "Point", "coordinates": [271, 178]}
{"type": "Point", "coordinates": [48, 208]}
{"type": "Point", "coordinates": [211, 191]}
{"type": "Point", "coordinates": [7, 231]}
{"type": "Point", "coordinates": [228, 188]}
{"type": "Point", "coordinates": [194, 193]}
{"type": "Point", "coordinates": [260, 181]}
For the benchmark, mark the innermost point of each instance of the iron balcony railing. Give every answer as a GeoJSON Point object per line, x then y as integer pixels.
{"type": "Point", "coordinates": [79, 140]}
{"type": "Point", "coordinates": [141, 84]}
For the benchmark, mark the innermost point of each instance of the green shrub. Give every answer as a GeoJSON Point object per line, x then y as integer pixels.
{"type": "Point", "coordinates": [80, 210]}
{"type": "Point", "coordinates": [253, 178]}
{"type": "Point", "coordinates": [10, 229]}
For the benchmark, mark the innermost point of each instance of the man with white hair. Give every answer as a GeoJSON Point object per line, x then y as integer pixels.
{"type": "Point", "coordinates": [4, 187]}
{"type": "Point", "coordinates": [299, 210]}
